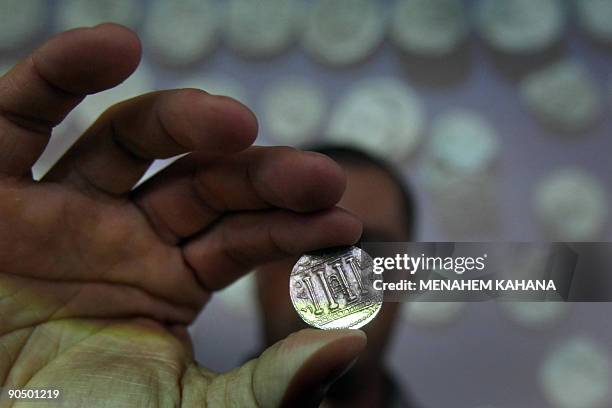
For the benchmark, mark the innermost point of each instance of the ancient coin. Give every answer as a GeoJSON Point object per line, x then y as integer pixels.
{"type": "Point", "coordinates": [85, 13]}
{"type": "Point", "coordinates": [520, 26]}
{"type": "Point", "coordinates": [576, 373]}
{"type": "Point", "coordinates": [343, 32]}
{"type": "Point", "coordinates": [429, 27]}
{"type": "Point", "coordinates": [181, 33]}
{"type": "Point", "coordinates": [572, 205]}
{"type": "Point", "coordinates": [563, 96]}
{"type": "Point", "coordinates": [594, 17]}
{"type": "Point", "coordinates": [382, 115]}
{"type": "Point", "coordinates": [261, 28]}
{"type": "Point", "coordinates": [293, 110]}
{"type": "Point", "coordinates": [334, 289]}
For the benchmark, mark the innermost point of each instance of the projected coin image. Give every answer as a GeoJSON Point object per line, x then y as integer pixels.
{"type": "Point", "coordinates": [334, 289]}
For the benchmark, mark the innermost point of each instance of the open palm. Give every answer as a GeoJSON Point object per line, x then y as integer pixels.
{"type": "Point", "coordinates": [99, 280]}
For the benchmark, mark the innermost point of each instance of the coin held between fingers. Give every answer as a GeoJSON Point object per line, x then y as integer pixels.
{"type": "Point", "coordinates": [333, 288]}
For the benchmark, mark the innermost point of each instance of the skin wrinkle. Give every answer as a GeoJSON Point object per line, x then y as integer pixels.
{"type": "Point", "coordinates": [165, 131]}
{"type": "Point", "coordinates": [206, 195]}
{"type": "Point", "coordinates": [33, 125]}
{"type": "Point", "coordinates": [53, 87]}
{"type": "Point", "coordinates": [283, 252]}
{"type": "Point", "coordinates": [124, 145]}
{"type": "Point", "coordinates": [17, 357]}
{"type": "Point", "coordinates": [156, 221]}
{"type": "Point", "coordinates": [8, 151]}
{"type": "Point", "coordinates": [116, 265]}
{"type": "Point", "coordinates": [104, 283]}
{"type": "Point", "coordinates": [181, 241]}
{"type": "Point", "coordinates": [13, 360]}
{"type": "Point", "coordinates": [37, 318]}
{"type": "Point", "coordinates": [255, 365]}
{"type": "Point", "coordinates": [182, 383]}
{"type": "Point", "coordinates": [252, 182]}
{"type": "Point", "coordinates": [54, 357]}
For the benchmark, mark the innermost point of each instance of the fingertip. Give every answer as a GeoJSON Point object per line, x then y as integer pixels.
{"type": "Point", "coordinates": [242, 124]}
{"type": "Point", "coordinates": [230, 126]}
{"type": "Point", "coordinates": [329, 176]}
{"type": "Point", "coordinates": [89, 60]}
{"type": "Point", "coordinates": [306, 181]}
{"type": "Point", "coordinates": [345, 228]}
{"type": "Point", "coordinates": [327, 355]}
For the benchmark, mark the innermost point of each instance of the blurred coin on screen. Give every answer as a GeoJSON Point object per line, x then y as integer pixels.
{"type": "Point", "coordinates": [180, 33]}
{"type": "Point", "coordinates": [430, 314]}
{"type": "Point", "coordinates": [462, 146]}
{"type": "Point", "coordinates": [381, 115]}
{"type": "Point", "coordinates": [571, 205]}
{"type": "Point", "coordinates": [520, 26]}
{"type": "Point", "coordinates": [576, 373]}
{"type": "Point", "coordinates": [563, 96]}
{"type": "Point", "coordinates": [595, 17]}
{"type": "Point", "coordinates": [261, 28]}
{"type": "Point", "coordinates": [429, 27]}
{"type": "Point", "coordinates": [458, 169]}
{"type": "Point", "coordinates": [293, 110]}
{"type": "Point", "coordinates": [88, 13]}
{"type": "Point", "coordinates": [534, 315]}
{"type": "Point", "coordinates": [215, 84]}
{"type": "Point", "coordinates": [20, 22]}
{"type": "Point", "coordinates": [463, 141]}
{"type": "Point", "coordinates": [343, 32]}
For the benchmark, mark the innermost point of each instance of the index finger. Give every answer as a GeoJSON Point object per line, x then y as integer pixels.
{"type": "Point", "coordinates": [42, 89]}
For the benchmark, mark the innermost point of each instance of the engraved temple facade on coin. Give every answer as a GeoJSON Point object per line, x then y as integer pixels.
{"type": "Point", "coordinates": [334, 289]}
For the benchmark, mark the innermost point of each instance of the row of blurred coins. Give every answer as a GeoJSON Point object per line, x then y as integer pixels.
{"type": "Point", "coordinates": [334, 32]}
{"type": "Point", "coordinates": [385, 117]}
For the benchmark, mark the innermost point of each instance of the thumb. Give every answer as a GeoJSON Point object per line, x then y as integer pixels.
{"type": "Point", "coordinates": [294, 372]}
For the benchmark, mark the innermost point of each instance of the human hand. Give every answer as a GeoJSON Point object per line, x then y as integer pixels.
{"type": "Point", "coordinates": [98, 280]}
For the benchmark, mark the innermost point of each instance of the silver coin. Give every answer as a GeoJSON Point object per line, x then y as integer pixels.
{"type": "Point", "coordinates": [576, 373]}
{"type": "Point", "coordinates": [429, 27]}
{"type": "Point", "coordinates": [382, 115]}
{"type": "Point", "coordinates": [261, 28]}
{"type": "Point", "coordinates": [181, 33]}
{"type": "Point", "coordinates": [520, 26]}
{"type": "Point", "coordinates": [334, 289]}
{"type": "Point", "coordinates": [563, 96]}
{"type": "Point", "coordinates": [343, 32]}
{"type": "Point", "coordinates": [463, 142]}
{"type": "Point", "coordinates": [86, 13]}
{"type": "Point", "coordinates": [572, 205]}
{"type": "Point", "coordinates": [594, 17]}
{"type": "Point", "coordinates": [293, 110]}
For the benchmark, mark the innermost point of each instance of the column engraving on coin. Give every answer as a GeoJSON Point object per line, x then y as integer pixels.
{"type": "Point", "coordinates": [333, 289]}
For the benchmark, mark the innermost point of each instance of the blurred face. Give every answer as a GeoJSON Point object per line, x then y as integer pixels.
{"type": "Point", "coordinates": [373, 197]}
